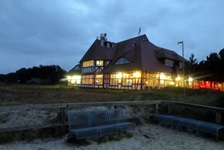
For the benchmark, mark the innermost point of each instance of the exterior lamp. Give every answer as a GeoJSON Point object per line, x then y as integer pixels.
{"type": "Point", "coordinates": [190, 79]}
{"type": "Point", "coordinates": [182, 43]}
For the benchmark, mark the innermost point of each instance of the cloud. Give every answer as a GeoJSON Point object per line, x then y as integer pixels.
{"type": "Point", "coordinates": [40, 32]}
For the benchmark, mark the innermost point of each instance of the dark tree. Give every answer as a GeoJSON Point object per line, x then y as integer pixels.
{"type": "Point", "coordinates": [210, 69]}
{"type": "Point", "coordinates": [191, 66]}
{"type": "Point", "coordinates": [46, 74]}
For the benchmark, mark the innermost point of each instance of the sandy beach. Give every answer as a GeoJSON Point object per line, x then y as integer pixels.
{"type": "Point", "coordinates": [150, 137]}
{"type": "Point", "coordinates": [147, 136]}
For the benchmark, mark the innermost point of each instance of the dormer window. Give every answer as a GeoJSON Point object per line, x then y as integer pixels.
{"type": "Point", "coordinates": [122, 60]}
{"type": "Point", "coordinates": [88, 63]}
{"type": "Point", "coordinates": [180, 64]}
{"type": "Point", "coordinates": [169, 62]}
{"type": "Point", "coordinates": [99, 63]}
{"type": "Point", "coordinates": [133, 44]}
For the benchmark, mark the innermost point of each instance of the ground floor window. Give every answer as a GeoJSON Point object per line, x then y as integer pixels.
{"type": "Point", "coordinates": [161, 79]}
{"type": "Point", "coordinates": [115, 79]}
{"type": "Point", "coordinates": [126, 79]}
{"type": "Point", "coordinates": [74, 80]}
{"type": "Point", "coordinates": [99, 79]}
{"type": "Point", "coordinates": [87, 79]}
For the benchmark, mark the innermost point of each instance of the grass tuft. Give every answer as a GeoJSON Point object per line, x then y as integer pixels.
{"type": "Point", "coordinates": [82, 142]}
{"type": "Point", "coordinates": [114, 137]}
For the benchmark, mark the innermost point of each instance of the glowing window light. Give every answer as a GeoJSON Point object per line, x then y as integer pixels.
{"type": "Point", "coordinates": [119, 75]}
{"type": "Point", "coordinates": [137, 74]}
{"type": "Point", "coordinates": [99, 63]}
{"type": "Point", "coordinates": [162, 76]}
{"type": "Point", "coordinates": [178, 78]}
{"type": "Point", "coordinates": [125, 75]}
{"type": "Point", "coordinates": [76, 77]}
{"type": "Point", "coordinates": [69, 77]}
{"type": "Point", "coordinates": [171, 83]}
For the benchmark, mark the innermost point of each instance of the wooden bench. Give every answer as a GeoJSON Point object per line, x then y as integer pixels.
{"type": "Point", "coordinates": [192, 124]}
{"type": "Point", "coordinates": [86, 124]}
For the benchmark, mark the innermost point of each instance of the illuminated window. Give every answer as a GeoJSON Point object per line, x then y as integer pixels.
{"type": "Point", "coordinates": [169, 62]}
{"type": "Point", "coordinates": [115, 79]}
{"type": "Point", "coordinates": [99, 63]}
{"type": "Point", "coordinates": [76, 79]}
{"type": "Point", "coordinates": [122, 60]}
{"type": "Point", "coordinates": [88, 63]}
{"type": "Point", "coordinates": [99, 79]}
{"type": "Point", "coordinates": [126, 80]}
{"type": "Point", "coordinates": [137, 74]}
{"type": "Point", "coordinates": [87, 79]}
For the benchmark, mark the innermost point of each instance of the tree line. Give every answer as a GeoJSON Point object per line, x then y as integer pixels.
{"type": "Point", "coordinates": [211, 69]}
{"type": "Point", "coordinates": [40, 75]}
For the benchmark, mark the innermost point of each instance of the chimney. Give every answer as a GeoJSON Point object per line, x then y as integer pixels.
{"type": "Point", "coordinates": [108, 44]}
{"type": "Point", "coordinates": [103, 38]}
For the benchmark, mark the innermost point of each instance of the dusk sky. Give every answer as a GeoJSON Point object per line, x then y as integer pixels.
{"type": "Point", "coordinates": [59, 32]}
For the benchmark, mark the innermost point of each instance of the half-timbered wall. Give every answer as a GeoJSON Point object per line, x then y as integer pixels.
{"type": "Point", "coordinates": [125, 80]}
{"type": "Point", "coordinates": [132, 80]}
{"type": "Point", "coordinates": [160, 80]}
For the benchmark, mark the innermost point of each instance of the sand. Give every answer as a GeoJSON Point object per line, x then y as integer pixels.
{"type": "Point", "coordinates": [145, 137]}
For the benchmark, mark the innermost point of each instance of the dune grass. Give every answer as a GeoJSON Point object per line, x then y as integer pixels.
{"type": "Point", "coordinates": [44, 94]}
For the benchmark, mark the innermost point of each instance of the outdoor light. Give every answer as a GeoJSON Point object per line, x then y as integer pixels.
{"type": "Point", "coordinates": [190, 79]}
{"type": "Point", "coordinates": [182, 42]}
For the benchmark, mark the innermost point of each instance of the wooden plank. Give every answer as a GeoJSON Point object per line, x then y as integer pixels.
{"type": "Point", "coordinates": [195, 105]}
{"type": "Point", "coordinates": [218, 111]}
{"type": "Point", "coordinates": [74, 105]}
{"type": "Point", "coordinates": [36, 127]}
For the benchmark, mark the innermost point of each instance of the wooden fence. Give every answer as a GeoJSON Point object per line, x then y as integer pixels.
{"type": "Point", "coordinates": [160, 106]}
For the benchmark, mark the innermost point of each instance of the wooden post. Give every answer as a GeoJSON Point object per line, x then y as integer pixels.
{"type": "Point", "coordinates": [157, 108]}
{"type": "Point", "coordinates": [169, 108]}
{"type": "Point", "coordinates": [218, 117]}
{"type": "Point", "coordinates": [62, 114]}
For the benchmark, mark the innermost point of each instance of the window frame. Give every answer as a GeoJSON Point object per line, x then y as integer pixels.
{"type": "Point", "coordinates": [87, 79]}
{"type": "Point", "coordinates": [122, 60]}
{"type": "Point", "coordinates": [88, 63]}
{"type": "Point", "coordinates": [169, 62]}
{"type": "Point", "coordinates": [99, 63]}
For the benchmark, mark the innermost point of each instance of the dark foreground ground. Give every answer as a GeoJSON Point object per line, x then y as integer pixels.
{"type": "Point", "coordinates": [14, 94]}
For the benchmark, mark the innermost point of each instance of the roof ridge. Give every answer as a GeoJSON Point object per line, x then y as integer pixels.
{"type": "Point", "coordinates": [132, 38]}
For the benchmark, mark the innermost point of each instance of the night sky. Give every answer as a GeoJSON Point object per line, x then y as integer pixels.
{"type": "Point", "coordinates": [59, 32]}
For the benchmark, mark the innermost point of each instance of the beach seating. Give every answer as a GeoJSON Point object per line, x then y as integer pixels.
{"type": "Point", "coordinates": [86, 124]}
{"type": "Point", "coordinates": [190, 124]}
